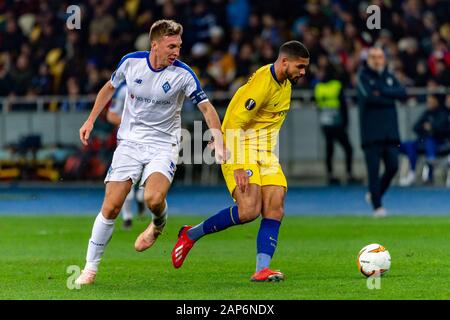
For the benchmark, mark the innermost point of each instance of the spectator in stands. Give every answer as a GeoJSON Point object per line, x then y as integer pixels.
{"type": "Point", "coordinates": [238, 12]}
{"type": "Point", "coordinates": [262, 24]}
{"type": "Point", "coordinates": [72, 103]}
{"type": "Point", "coordinates": [6, 84]}
{"type": "Point", "coordinates": [432, 130]}
{"type": "Point", "coordinates": [22, 75]}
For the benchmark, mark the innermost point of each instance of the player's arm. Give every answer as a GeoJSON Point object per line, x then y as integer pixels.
{"type": "Point", "coordinates": [213, 122]}
{"type": "Point", "coordinates": [104, 95]}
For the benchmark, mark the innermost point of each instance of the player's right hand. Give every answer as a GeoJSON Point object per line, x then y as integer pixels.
{"type": "Point", "coordinates": [241, 178]}
{"type": "Point", "coordinates": [85, 131]}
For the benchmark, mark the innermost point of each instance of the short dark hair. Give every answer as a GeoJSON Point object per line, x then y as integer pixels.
{"type": "Point", "coordinates": [165, 28]}
{"type": "Point", "coordinates": [294, 49]}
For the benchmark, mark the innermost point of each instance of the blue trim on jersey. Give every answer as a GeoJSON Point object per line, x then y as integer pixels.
{"type": "Point", "coordinates": [274, 75]}
{"type": "Point", "coordinates": [178, 63]}
{"type": "Point", "coordinates": [137, 54]}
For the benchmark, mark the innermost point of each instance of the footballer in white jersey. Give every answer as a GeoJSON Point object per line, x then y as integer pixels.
{"type": "Point", "coordinates": [149, 135]}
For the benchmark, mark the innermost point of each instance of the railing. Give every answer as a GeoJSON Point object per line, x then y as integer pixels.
{"type": "Point", "coordinates": [301, 143]}
{"type": "Point", "coordinates": [53, 103]}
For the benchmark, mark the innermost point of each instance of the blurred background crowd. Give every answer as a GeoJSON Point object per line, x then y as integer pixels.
{"type": "Point", "coordinates": [224, 40]}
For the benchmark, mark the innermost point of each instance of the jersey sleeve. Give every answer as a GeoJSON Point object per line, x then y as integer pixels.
{"type": "Point", "coordinates": [250, 98]}
{"type": "Point", "coordinates": [194, 90]}
{"type": "Point", "coordinates": [118, 76]}
{"type": "Point", "coordinates": [192, 87]}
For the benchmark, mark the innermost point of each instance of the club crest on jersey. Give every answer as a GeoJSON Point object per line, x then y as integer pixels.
{"type": "Point", "coordinates": [166, 87]}
{"type": "Point", "coordinates": [250, 104]}
{"type": "Point", "coordinates": [138, 81]}
{"type": "Point", "coordinates": [249, 172]}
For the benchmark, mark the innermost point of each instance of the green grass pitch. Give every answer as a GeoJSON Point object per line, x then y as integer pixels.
{"type": "Point", "coordinates": [317, 254]}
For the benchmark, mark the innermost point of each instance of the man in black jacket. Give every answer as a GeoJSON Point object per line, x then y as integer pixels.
{"type": "Point", "coordinates": [377, 92]}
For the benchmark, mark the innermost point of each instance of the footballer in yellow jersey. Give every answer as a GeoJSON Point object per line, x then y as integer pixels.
{"type": "Point", "coordinates": [251, 127]}
{"type": "Point", "coordinates": [252, 172]}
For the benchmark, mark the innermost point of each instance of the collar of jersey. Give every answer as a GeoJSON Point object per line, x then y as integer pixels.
{"type": "Point", "coordinates": [150, 66]}
{"type": "Point", "coordinates": [274, 75]}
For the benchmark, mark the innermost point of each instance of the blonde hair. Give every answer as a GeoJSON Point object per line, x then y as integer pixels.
{"type": "Point", "coordinates": [163, 28]}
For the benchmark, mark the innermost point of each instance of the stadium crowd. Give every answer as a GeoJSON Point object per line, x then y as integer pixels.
{"type": "Point", "coordinates": [224, 41]}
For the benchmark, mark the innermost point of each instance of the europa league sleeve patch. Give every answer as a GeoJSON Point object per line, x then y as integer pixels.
{"type": "Point", "coordinates": [250, 104]}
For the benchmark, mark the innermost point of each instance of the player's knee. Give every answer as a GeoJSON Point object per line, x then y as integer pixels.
{"type": "Point", "coordinates": [110, 210]}
{"type": "Point", "coordinates": [249, 212]}
{"type": "Point", "coordinates": [275, 213]}
{"type": "Point", "coordinates": [155, 201]}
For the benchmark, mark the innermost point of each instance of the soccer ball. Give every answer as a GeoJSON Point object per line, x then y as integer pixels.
{"type": "Point", "coordinates": [373, 259]}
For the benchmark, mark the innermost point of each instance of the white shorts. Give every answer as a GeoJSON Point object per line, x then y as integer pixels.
{"type": "Point", "coordinates": [136, 161]}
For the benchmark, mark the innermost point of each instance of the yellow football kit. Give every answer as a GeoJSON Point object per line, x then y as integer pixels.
{"type": "Point", "coordinates": [251, 129]}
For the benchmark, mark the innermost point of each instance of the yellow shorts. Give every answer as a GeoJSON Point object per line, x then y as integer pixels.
{"type": "Point", "coordinates": [262, 173]}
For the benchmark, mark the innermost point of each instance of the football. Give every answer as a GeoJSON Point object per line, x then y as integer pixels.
{"type": "Point", "coordinates": [373, 259]}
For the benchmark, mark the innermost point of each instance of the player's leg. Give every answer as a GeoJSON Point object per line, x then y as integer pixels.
{"type": "Point", "coordinates": [247, 208]}
{"type": "Point", "coordinates": [272, 214]}
{"type": "Point", "coordinates": [273, 190]}
{"type": "Point", "coordinates": [115, 194]}
{"type": "Point", "coordinates": [156, 187]}
{"type": "Point", "coordinates": [127, 210]}
{"type": "Point", "coordinates": [126, 168]}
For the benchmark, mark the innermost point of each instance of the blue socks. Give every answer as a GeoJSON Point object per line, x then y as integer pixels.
{"type": "Point", "coordinates": [266, 242]}
{"type": "Point", "coordinates": [222, 220]}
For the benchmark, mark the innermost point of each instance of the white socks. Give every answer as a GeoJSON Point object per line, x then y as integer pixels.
{"type": "Point", "coordinates": [101, 234]}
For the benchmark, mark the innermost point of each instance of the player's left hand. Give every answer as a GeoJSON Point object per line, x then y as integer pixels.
{"type": "Point", "coordinates": [85, 131]}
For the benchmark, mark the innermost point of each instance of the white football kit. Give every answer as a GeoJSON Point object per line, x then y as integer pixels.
{"type": "Point", "coordinates": [150, 130]}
